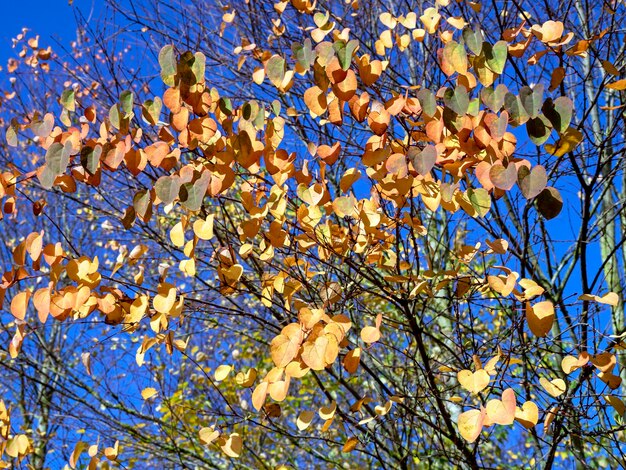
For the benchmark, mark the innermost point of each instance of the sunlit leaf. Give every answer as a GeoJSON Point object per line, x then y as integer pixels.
{"type": "Point", "coordinates": [473, 382]}
{"type": "Point", "coordinates": [540, 317]}
{"type": "Point", "coordinates": [555, 387]}
{"type": "Point", "coordinates": [471, 424]}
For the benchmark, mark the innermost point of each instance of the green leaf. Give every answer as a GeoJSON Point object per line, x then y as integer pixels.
{"type": "Point", "coordinates": [167, 188]}
{"type": "Point", "coordinates": [11, 133]}
{"type": "Point", "coordinates": [275, 69]}
{"type": "Point", "coordinates": [494, 98]}
{"type": "Point", "coordinates": [249, 110]}
{"type": "Point", "coordinates": [457, 99]}
{"type": "Point", "coordinates": [259, 121]}
{"type": "Point", "coordinates": [68, 99]}
{"type": "Point", "coordinates": [423, 159]}
{"type": "Point", "coordinates": [303, 54]}
{"type": "Point", "coordinates": [453, 122]}
{"type": "Point", "coordinates": [276, 107]}
{"type": "Point", "coordinates": [167, 61]}
{"type": "Point", "coordinates": [64, 117]}
{"type": "Point", "coordinates": [473, 40]}
{"type": "Point", "coordinates": [480, 199]}
{"type": "Point", "coordinates": [226, 106]}
{"type": "Point", "coordinates": [427, 101]}
{"type": "Point", "coordinates": [126, 103]}
{"type": "Point", "coordinates": [531, 99]}
{"type": "Point", "coordinates": [151, 110]}
{"type": "Point", "coordinates": [538, 129]}
{"type": "Point", "coordinates": [454, 54]}
{"type": "Point", "coordinates": [559, 112]}
{"type": "Point", "coordinates": [517, 112]}
{"type": "Point", "coordinates": [90, 158]}
{"type": "Point", "coordinates": [474, 107]}
{"type": "Point", "coordinates": [496, 56]}
{"type": "Point", "coordinates": [142, 204]}
{"type": "Point", "coordinates": [483, 73]}
{"type": "Point", "coordinates": [532, 182]}
{"type": "Point", "coordinates": [198, 66]}
{"type": "Point", "coordinates": [47, 177]}
{"type": "Point", "coordinates": [114, 116]}
{"type": "Point", "coordinates": [345, 51]}
{"type": "Point", "coordinates": [42, 127]}
{"type": "Point", "coordinates": [58, 157]}
{"type": "Point", "coordinates": [192, 194]}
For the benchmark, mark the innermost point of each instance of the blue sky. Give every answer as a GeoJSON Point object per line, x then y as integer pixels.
{"type": "Point", "coordinates": [51, 19]}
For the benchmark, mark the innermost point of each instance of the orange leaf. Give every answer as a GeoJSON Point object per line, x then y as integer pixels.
{"type": "Point", "coordinates": [540, 317]}
{"type": "Point", "coordinates": [352, 359]}
{"type": "Point", "coordinates": [618, 85]}
{"type": "Point", "coordinates": [41, 300]}
{"type": "Point", "coordinates": [19, 304]}
{"type": "Point", "coordinates": [350, 444]}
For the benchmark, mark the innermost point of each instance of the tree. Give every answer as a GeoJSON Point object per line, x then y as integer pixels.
{"type": "Point", "coordinates": [358, 234]}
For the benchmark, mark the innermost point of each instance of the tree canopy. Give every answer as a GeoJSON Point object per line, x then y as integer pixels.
{"type": "Point", "coordinates": [337, 234]}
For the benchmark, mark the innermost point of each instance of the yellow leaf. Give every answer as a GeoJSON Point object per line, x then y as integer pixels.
{"type": "Point", "coordinates": [204, 228]}
{"type": "Point", "coordinates": [79, 448]}
{"type": "Point", "coordinates": [148, 393]}
{"type": "Point", "coordinates": [259, 394]}
{"type": "Point", "coordinates": [164, 301]}
{"type": "Point", "coordinates": [286, 345]}
{"type": "Point", "coordinates": [616, 403]}
{"type": "Point", "coordinates": [370, 334]}
{"type": "Point", "coordinates": [570, 363]}
{"type": "Point", "coordinates": [527, 415]}
{"type": "Point", "coordinates": [177, 235]}
{"type": "Point", "coordinates": [554, 387]}
{"type": "Point", "coordinates": [610, 298]}
{"type": "Point", "coordinates": [501, 411]}
{"type": "Point", "coordinates": [473, 382]}
{"type": "Point", "coordinates": [246, 379]}
{"type": "Point", "coordinates": [222, 372]}
{"type": "Point", "coordinates": [315, 354]}
{"type": "Point", "coordinates": [233, 445]}
{"type": "Point", "coordinates": [471, 424]}
{"type": "Point", "coordinates": [304, 419]}
{"type": "Point", "coordinates": [568, 142]}
{"type": "Point", "coordinates": [383, 410]}
{"type": "Point", "coordinates": [258, 76]}
{"type": "Point", "coordinates": [328, 412]}
{"type": "Point", "coordinates": [208, 435]}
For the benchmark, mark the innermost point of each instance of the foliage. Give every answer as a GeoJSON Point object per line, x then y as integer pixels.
{"type": "Point", "coordinates": [333, 233]}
